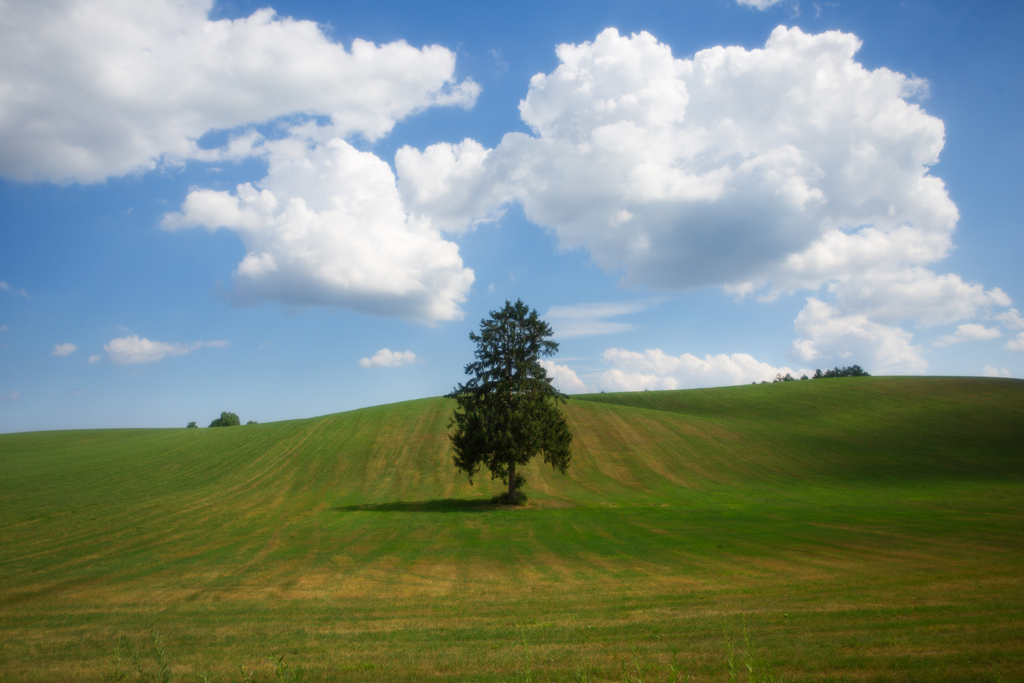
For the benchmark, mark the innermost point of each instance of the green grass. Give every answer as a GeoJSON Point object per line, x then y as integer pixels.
{"type": "Point", "coordinates": [846, 529]}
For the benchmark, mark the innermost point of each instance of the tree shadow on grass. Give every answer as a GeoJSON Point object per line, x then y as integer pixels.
{"type": "Point", "coordinates": [440, 505]}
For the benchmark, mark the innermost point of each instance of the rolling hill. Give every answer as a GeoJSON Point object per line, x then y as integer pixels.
{"type": "Point", "coordinates": [860, 527]}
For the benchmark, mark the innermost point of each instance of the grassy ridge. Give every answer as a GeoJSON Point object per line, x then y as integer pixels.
{"type": "Point", "coordinates": [867, 528]}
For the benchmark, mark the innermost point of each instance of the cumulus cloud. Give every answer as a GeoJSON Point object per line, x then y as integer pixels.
{"type": "Point", "coordinates": [1016, 344]}
{"type": "Point", "coordinates": [654, 369]}
{"type": "Point", "coordinates": [326, 227]}
{"type": "Point", "coordinates": [758, 4]}
{"type": "Point", "coordinates": [584, 320]}
{"type": "Point", "coordinates": [969, 332]}
{"type": "Point", "coordinates": [766, 171]}
{"type": "Point", "coordinates": [12, 396]}
{"type": "Point", "coordinates": [563, 377]}
{"type": "Point", "coordinates": [386, 358]}
{"type": "Point", "coordinates": [989, 371]}
{"type": "Point", "coordinates": [872, 272]}
{"type": "Point", "coordinates": [130, 350]}
{"type": "Point", "coordinates": [64, 349]}
{"type": "Point", "coordinates": [97, 88]}
{"type": "Point", "coordinates": [92, 89]}
{"type": "Point", "coordinates": [94, 359]}
{"type": "Point", "coordinates": [826, 335]}
{"type": "Point", "coordinates": [711, 170]}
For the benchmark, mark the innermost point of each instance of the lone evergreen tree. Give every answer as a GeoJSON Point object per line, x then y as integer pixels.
{"type": "Point", "coordinates": [508, 411]}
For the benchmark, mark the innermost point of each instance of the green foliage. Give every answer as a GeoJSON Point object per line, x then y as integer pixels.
{"type": "Point", "coordinates": [192, 425]}
{"type": "Point", "coordinates": [251, 422]}
{"type": "Point", "coordinates": [508, 411]}
{"type": "Point", "coordinates": [226, 420]}
{"type": "Point", "coordinates": [852, 371]}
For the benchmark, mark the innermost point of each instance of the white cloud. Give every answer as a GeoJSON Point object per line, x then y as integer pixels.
{"type": "Point", "coordinates": [563, 377]}
{"type": "Point", "coordinates": [386, 358]}
{"type": "Point", "coordinates": [7, 288]}
{"type": "Point", "coordinates": [989, 371]}
{"type": "Point", "coordinates": [583, 320]}
{"type": "Point", "coordinates": [826, 335]}
{"type": "Point", "coordinates": [705, 171]}
{"type": "Point", "coordinates": [653, 369]}
{"type": "Point", "coordinates": [759, 4]}
{"type": "Point", "coordinates": [4, 328]}
{"type": "Point", "coordinates": [1016, 344]}
{"type": "Point", "coordinates": [13, 396]}
{"type": "Point", "coordinates": [97, 88]}
{"type": "Point", "coordinates": [969, 332]}
{"type": "Point", "coordinates": [94, 359]}
{"type": "Point", "coordinates": [772, 170]}
{"type": "Point", "coordinates": [64, 349]}
{"type": "Point", "coordinates": [456, 185]}
{"type": "Point", "coordinates": [326, 227]}
{"type": "Point", "coordinates": [1012, 319]}
{"type": "Point", "coordinates": [130, 350]}
{"type": "Point", "coordinates": [872, 272]}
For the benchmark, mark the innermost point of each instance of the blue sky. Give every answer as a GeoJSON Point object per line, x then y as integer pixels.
{"type": "Point", "coordinates": [287, 213]}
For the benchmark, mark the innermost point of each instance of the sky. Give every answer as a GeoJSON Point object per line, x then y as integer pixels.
{"type": "Point", "coordinates": [293, 209]}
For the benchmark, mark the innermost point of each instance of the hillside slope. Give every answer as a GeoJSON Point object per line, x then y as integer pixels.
{"type": "Point", "coordinates": [328, 535]}
{"type": "Point", "coordinates": [626, 447]}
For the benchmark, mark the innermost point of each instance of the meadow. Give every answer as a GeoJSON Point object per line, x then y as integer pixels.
{"type": "Point", "coordinates": [865, 529]}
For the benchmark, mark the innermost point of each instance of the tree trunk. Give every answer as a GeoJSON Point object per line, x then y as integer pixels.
{"type": "Point", "coordinates": [512, 483]}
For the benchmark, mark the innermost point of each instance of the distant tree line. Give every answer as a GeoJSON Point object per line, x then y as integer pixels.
{"type": "Point", "coordinates": [852, 371]}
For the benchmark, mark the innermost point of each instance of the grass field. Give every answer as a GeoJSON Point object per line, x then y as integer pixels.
{"type": "Point", "coordinates": [867, 529]}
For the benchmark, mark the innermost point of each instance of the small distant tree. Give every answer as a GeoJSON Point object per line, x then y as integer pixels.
{"type": "Point", "coordinates": [251, 422]}
{"type": "Point", "coordinates": [226, 420]}
{"type": "Point", "coordinates": [191, 425]}
{"type": "Point", "coordinates": [508, 411]}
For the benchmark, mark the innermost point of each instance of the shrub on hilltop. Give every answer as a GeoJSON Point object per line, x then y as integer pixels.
{"type": "Point", "coordinates": [226, 420]}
